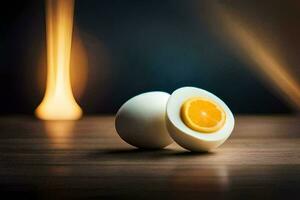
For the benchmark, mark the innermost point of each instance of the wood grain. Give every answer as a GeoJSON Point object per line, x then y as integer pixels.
{"type": "Point", "coordinates": [87, 159]}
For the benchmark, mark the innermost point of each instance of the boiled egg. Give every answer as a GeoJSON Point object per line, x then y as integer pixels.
{"type": "Point", "coordinates": [141, 121]}
{"type": "Point", "coordinates": [198, 120]}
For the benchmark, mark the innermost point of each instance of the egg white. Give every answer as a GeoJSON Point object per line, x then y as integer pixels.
{"type": "Point", "coordinates": [187, 137]}
{"type": "Point", "coordinates": [141, 121]}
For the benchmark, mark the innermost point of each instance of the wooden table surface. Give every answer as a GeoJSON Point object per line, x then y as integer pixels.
{"type": "Point", "coordinates": [87, 159]}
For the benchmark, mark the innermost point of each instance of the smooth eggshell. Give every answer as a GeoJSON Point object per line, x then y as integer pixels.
{"type": "Point", "coordinates": [141, 121]}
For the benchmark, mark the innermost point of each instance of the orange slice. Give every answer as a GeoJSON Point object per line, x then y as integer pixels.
{"type": "Point", "coordinates": [202, 115]}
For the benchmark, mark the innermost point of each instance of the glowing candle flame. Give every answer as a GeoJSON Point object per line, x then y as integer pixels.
{"type": "Point", "coordinates": [59, 102]}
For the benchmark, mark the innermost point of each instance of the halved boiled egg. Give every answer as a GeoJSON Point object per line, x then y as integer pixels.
{"type": "Point", "coordinates": [197, 119]}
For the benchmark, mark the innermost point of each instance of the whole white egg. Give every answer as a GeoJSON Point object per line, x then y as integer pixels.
{"type": "Point", "coordinates": [187, 137]}
{"type": "Point", "coordinates": [141, 121]}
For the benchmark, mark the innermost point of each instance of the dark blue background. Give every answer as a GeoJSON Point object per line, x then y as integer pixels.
{"type": "Point", "coordinates": [148, 45]}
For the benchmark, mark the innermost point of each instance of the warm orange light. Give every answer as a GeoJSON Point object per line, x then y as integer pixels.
{"type": "Point", "coordinates": [60, 133]}
{"type": "Point", "coordinates": [59, 102]}
{"type": "Point", "coordinates": [261, 55]}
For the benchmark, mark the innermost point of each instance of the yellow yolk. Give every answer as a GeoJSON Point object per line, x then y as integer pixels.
{"type": "Point", "coordinates": [202, 115]}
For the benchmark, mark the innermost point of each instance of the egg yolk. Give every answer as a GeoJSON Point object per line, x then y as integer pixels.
{"type": "Point", "coordinates": [202, 115]}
